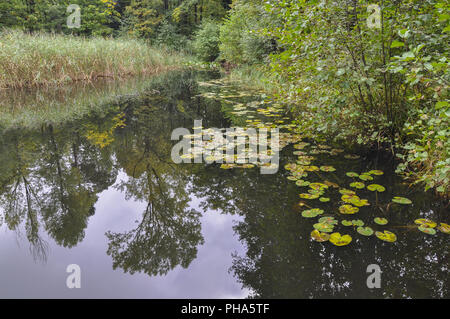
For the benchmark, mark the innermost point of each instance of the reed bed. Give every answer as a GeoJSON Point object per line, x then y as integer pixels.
{"type": "Point", "coordinates": [42, 59]}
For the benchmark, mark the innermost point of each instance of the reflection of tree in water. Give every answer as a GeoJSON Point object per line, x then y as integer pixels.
{"type": "Point", "coordinates": [51, 177]}
{"type": "Point", "coordinates": [169, 232]}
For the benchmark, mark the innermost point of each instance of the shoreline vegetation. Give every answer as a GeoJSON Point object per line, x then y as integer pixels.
{"type": "Point", "coordinates": [47, 60]}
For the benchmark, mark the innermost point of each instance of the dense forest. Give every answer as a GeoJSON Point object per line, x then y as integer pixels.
{"type": "Point", "coordinates": [369, 73]}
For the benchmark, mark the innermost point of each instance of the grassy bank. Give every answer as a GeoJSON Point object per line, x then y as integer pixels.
{"type": "Point", "coordinates": [47, 59]}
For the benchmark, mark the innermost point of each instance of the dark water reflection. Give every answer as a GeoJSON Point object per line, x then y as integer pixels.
{"type": "Point", "coordinates": [103, 192]}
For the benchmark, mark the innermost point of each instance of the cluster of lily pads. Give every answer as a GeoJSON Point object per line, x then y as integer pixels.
{"type": "Point", "coordinates": [324, 229]}
{"type": "Point", "coordinates": [258, 113]}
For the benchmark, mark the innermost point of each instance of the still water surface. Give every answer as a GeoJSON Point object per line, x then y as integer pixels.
{"type": "Point", "coordinates": [101, 191]}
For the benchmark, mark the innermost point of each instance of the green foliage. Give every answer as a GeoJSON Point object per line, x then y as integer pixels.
{"type": "Point", "coordinates": [206, 42]}
{"type": "Point", "coordinates": [351, 82]}
{"type": "Point", "coordinates": [241, 36]}
{"type": "Point", "coordinates": [97, 16]}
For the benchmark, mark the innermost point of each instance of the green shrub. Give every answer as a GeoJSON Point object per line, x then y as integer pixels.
{"type": "Point", "coordinates": [206, 42]}
{"type": "Point", "coordinates": [241, 36]}
{"type": "Point", "coordinates": [168, 36]}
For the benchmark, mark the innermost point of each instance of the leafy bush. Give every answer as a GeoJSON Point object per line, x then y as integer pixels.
{"type": "Point", "coordinates": [241, 36]}
{"type": "Point", "coordinates": [168, 36]}
{"type": "Point", "coordinates": [374, 84]}
{"type": "Point", "coordinates": [206, 41]}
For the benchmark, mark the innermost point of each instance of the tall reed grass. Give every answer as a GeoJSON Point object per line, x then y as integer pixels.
{"type": "Point", "coordinates": [31, 60]}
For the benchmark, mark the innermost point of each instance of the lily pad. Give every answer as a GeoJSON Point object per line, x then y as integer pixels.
{"type": "Point", "coordinates": [311, 213]}
{"type": "Point", "coordinates": [346, 223]}
{"type": "Point", "coordinates": [327, 169]}
{"type": "Point", "coordinates": [319, 237]}
{"type": "Point", "coordinates": [345, 191]}
{"type": "Point", "coordinates": [352, 174]}
{"type": "Point", "coordinates": [365, 177]}
{"type": "Point", "coordinates": [290, 167]}
{"type": "Point", "coordinates": [318, 186]}
{"type": "Point", "coordinates": [380, 221]}
{"type": "Point", "coordinates": [324, 227]}
{"type": "Point", "coordinates": [365, 231]}
{"type": "Point", "coordinates": [328, 220]}
{"type": "Point", "coordinates": [376, 188]}
{"type": "Point", "coordinates": [303, 161]}
{"type": "Point", "coordinates": [292, 178]}
{"type": "Point", "coordinates": [427, 230]}
{"type": "Point", "coordinates": [311, 168]}
{"type": "Point", "coordinates": [350, 198]}
{"type": "Point", "coordinates": [376, 172]}
{"type": "Point", "coordinates": [302, 183]}
{"type": "Point", "coordinates": [324, 199]}
{"type": "Point", "coordinates": [386, 236]}
{"type": "Point", "coordinates": [309, 196]}
{"type": "Point", "coordinates": [358, 185]}
{"type": "Point", "coordinates": [445, 228]}
{"type": "Point", "coordinates": [425, 223]}
{"type": "Point", "coordinates": [358, 222]}
{"type": "Point", "coordinates": [348, 209]}
{"type": "Point", "coordinates": [338, 240]}
{"type": "Point", "coordinates": [360, 202]}
{"type": "Point", "coordinates": [401, 200]}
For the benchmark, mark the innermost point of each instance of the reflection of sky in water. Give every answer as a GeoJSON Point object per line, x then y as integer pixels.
{"type": "Point", "coordinates": [206, 277]}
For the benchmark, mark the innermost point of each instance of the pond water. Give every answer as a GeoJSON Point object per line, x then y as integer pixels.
{"type": "Point", "coordinates": [101, 191]}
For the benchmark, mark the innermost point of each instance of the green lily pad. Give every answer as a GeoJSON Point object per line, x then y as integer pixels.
{"type": "Point", "coordinates": [290, 167]}
{"type": "Point", "coordinates": [380, 221]}
{"type": "Point", "coordinates": [316, 192]}
{"type": "Point", "coordinates": [338, 240]}
{"type": "Point", "coordinates": [350, 198]}
{"type": "Point", "coordinates": [327, 169]}
{"type": "Point", "coordinates": [365, 177]}
{"type": "Point", "coordinates": [311, 213]}
{"type": "Point", "coordinates": [376, 188]}
{"type": "Point", "coordinates": [360, 202]}
{"type": "Point", "coordinates": [318, 186]}
{"type": "Point", "coordinates": [365, 231]}
{"type": "Point", "coordinates": [309, 196]}
{"type": "Point", "coordinates": [346, 223]}
{"type": "Point", "coordinates": [352, 174]}
{"type": "Point", "coordinates": [292, 178]}
{"type": "Point", "coordinates": [324, 199]}
{"type": "Point", "coordinates": [386, 236]}
{"type": "Point", "coordinates": [328, 220]}
{"type": "Point", "coordinates": [348, 209]}
{"type": "Point", "coordinates": [303, 161]}
{"type": "Point", "coordinates": [376, 172]}
{"type": "Point", "coordinates": [445, 228]}
{"type": "Point", "coordinates": [427, 230]}
{"type": "Point", "coordinates": [311, 168]}
{"type": "Point", "coordinates": [302, 183]}
{"type": "Point", "coordinates": [345, 191]}
{"type": "Point", "coordinates": [351, 156]}
{"type": "Point", "coordinates": [358, 222]}
{"type": "Point", "coordinates": [358, 185]}
{"type": "Point", "coordinates": [401, 200]}
{"type": "Point", "coordinates": [425, 223]}
{"type": "Point", "coordinates": [324, 227]}
{"type": "Point", "coordinates": [319, 237]}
